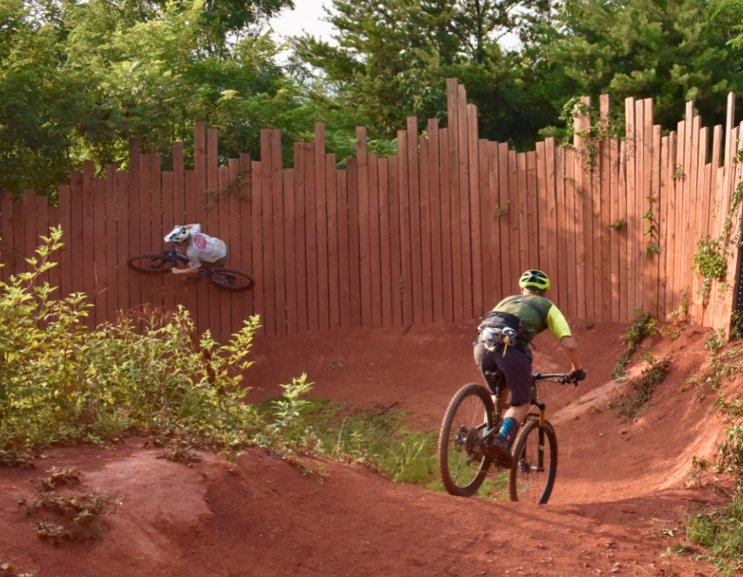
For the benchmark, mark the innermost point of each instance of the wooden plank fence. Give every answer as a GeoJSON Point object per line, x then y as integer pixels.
{"type": "Point", "coordinates": [437, 233]}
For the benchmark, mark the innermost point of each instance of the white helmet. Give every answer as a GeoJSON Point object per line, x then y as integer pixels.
{"type": "Point", "coordinates": [178, 234]}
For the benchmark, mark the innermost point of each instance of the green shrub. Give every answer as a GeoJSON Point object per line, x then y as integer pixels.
{"type": "Point", "coordinates": [149, 373]}
{"type": "Point", "coordinates": [642, 326]}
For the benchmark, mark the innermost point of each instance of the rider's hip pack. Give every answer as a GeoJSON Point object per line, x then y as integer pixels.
{"type": "Point", "coordinates": [502, 329]}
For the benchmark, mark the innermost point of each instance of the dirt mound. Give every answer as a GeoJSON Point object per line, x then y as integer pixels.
{"type": "Point", "coordinates": [616, 509]}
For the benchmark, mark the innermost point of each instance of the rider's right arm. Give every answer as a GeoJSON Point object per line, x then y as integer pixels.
{"type": "Point", "coordinates": [570, 347]}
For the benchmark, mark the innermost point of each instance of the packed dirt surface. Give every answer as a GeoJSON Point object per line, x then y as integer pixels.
{"type": "Point", "coordinates": [623, 488]}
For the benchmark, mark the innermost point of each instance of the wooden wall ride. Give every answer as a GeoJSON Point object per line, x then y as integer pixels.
{"type": "Point", "coordinates": [437, 233]}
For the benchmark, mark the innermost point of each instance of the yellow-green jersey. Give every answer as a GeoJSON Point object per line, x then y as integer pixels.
{"type": "Point", "coordinates": [536, 313]}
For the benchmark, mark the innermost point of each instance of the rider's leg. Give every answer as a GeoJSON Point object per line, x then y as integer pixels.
{"type": "Point", "coordinates": [516, 363]}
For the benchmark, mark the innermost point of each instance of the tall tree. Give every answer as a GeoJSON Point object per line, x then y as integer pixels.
{"type": "Point", "coordinates": [390, 58]}
{"type": "Point", "coordinates": [670, 50]}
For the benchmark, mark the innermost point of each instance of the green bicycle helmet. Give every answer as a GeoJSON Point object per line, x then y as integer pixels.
{"type": "Point", "coordinates": [534, 280]}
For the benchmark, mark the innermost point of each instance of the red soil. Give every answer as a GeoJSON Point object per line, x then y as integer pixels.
{"type": "Point", "coordinates": [622, 488]}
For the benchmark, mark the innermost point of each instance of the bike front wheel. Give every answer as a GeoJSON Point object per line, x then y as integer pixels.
{"type": "Point", "coordinates": [151, 263]}
{"type": "Point", "coordinates": [535, 462]}
{"type": "Point", "coordinates": [231, 280]}
{"type": "Point", "coordinates": [462, 462]}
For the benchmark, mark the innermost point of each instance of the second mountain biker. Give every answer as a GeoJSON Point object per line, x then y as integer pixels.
{"type": "Point", "coordinates": [203, 251]}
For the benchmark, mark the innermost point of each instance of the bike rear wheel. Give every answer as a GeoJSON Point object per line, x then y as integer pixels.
{"type": "Point", "coordinates": [152, 263]}
{"type": "Point", "coordinates": [462, 463]}
{"type": "Point", "coordinates": [535, 462]}
{"type": "Point", "coordinates": [231, 280]}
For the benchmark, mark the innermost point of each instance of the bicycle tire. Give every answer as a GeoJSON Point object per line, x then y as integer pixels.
{"type": "Point", "coordinates": [231, 280]}
{"type": "Point", "coordinates": [151, 263]}
{"type": "Point", "coordinates": [535, 462]}
{"type": "Point", "coordinates": [462, 464]}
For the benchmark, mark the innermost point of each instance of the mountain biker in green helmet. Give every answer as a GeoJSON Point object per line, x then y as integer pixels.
{"type": "Point", "coordinates": [521, 317]}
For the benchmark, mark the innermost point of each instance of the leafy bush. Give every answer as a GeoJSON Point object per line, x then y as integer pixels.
{"type": "Point", "coordinates": [147, 373]}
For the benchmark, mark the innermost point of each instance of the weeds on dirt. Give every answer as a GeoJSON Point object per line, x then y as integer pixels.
{"type": "Point", "coordinates": [70, 516]}
{"type": "Point", "coordinates": [376, 439]}
{"type": "Point", "coordinates": [721, 532]}
{"type": "Point", "coordinates": [642, 389]}
{"type": "Point", "coordinates": [642, 326]}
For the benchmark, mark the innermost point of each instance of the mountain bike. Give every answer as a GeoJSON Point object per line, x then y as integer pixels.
{"type": "Point", "coordinates": [472, 419]}
{"type": "Point", "coordinates": [227, 279]}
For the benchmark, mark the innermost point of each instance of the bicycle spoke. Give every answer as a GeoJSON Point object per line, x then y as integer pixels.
{"type": "Point", "coordinates": [462, 462]}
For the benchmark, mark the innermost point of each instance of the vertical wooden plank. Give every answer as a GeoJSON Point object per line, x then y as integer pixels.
{"type": "Point", "coordinates": [522, 201]}
{"type": "Point", "coordinates": [210, 224]}
{"type": "Point", "coordinates": [507, 211]}
{"type": "Point", "coordinates": [405, 234]}
{"type": "Point", "coordinates": [564, 288]}
{"type": "Point", "coordinates": [435, 203]}
{"type": "Point", "coordinates": [7, 244]}
{"type": "Point", "coordinates": [276, 196]}
{"type": "Point", "coordinates": [245, 242]}
{"type": "Point", "coordinates": [532, 202]}
{"type": "Point", "coordinates": [260, 273]}
{"type": "Point", "coordinates": [464, 204]}
{"type": "Point", "coordinates": [453, 152]}
{"type": "Point", "coordinates": [320, 218]}
{"type": "Point", "coordinates": [615, 231]}
{"type": "Point", "coordinates": [602, 184]}
{"type": "Point", "coordinates": [354, 242]}
{"type": "Point", "coordinates": [365, 257]}
{"type": "Point", "coordinates": [632, 218]}
{"type": "Point", "coordinates": [411, 135]}
{"type": "Point", "coordinates": [344, 255]}
{"type": "Point", "coordinates": [174, 212]}
{"type": "Point", "coordinates": [583, 211]}
{"type": "Point", "coordinates": [514, 203]}
{"type": "Point", "coordinates": [87, 265]}
{"type": "Point", "coordinates": [571, 245]}
{"type": "Point", "coordinates": [487, 261]}
{"type": "Point", "coordinates": [300, 236]}
{"type": "Point", "coordinates": [386, 275]}
{"type": "Point", "coordinates": [657, 297]}
{"type": "Point", "coordinates": [476, 217]}
{"type": "Point", "coordinates": [375, 262]}
{"type": "Point", "coordinates": [267, 193]}
{"type": "Point", "coordinates": [334, 272]}
{"type": "Point", "coordinates": [200, 193]}
{"type": "Point", "coordinates": [310, 198]}
{"type": "Point", "coordinates": [447, 229]}
{"type": "Point", "coordinates": [650, 211]}
{"type": "Point", "coordinates": [622, 240]}
{"type": "Point", "coordinates": [425, 171]}
{"type": "Point", "coordinates": [498, 222]}
{"type": "Point", "coordinates": [713, 200]}
{"type": "Point", "coordinates": [101, 241]}
{"type": "Point", "coordinates": [666, 209]}
{"type": "Point", "coordinates": [292, 289]}
{"type": "Point", "coordinates": [542, 221]}
{"type": "Point", "coordinates": [551, 209]}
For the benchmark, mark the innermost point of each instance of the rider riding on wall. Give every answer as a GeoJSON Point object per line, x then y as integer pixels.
{"type": "Point", "coordinates": [526, 314]}
{"type": "Point", "coordinates": [203, 251]}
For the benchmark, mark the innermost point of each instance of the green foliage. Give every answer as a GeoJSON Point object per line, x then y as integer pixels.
{"type": "Point", "coordinates": [710, 261]}
{"type": "Point", "coordinates": [643, 388]}
{"type": "Point", "coordinates": [377, 439]}
{"type": "Point", "coordinates": [722, 533]}
{"type": "Point", "coordinates": [731, 454]}
{"type": "Point", "coordinates": [60, 381]}
{"type": "Point", "coordinates": [642, 326]}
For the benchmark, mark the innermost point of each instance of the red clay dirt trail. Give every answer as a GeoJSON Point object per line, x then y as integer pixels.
{"type": "Point", "coordinates": [616, 509]}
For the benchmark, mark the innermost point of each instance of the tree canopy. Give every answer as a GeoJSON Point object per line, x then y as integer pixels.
{"type": "Point", "coordinates": [79, 79]}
